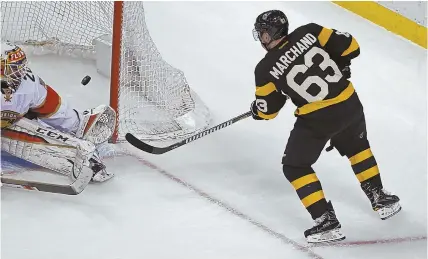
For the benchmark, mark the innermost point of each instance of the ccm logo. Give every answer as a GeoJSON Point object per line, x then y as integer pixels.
{"type": "Point", "coordinates": [52, 134]}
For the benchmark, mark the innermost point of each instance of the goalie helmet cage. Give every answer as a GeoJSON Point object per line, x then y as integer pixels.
{"type": "Point", "coordinates": [152, 99]}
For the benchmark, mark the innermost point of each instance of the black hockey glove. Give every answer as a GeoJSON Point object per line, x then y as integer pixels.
{"type": "Point", "coordinates": [254, 111]}
{"type": "Point", "coordinates": [346, 72]}
{"type": "Point", "coordinates": [345, 68]}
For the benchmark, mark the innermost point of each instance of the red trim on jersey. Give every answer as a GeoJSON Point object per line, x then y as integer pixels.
{"type": "Point", "coordinates": [50, 105]}
{"type": "Point", "coordinates": [22, 136]}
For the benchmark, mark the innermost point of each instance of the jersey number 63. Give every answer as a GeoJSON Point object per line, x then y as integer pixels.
{"type": "Point", "coordinates": [322, 83]}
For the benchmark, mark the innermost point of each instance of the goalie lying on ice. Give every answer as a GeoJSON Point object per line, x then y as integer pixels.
{"type": "Point", "coordinates": [40, 127]}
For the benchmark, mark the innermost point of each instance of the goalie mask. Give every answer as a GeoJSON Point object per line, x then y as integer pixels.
{"type": "Point", "coordinates": [13, 66]}
{"type": "Point", "coordinates": [270, 26]}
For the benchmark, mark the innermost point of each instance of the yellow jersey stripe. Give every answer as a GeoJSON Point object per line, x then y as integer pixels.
{"type": "Point", "coordinates": [363, 155]}
{"type": "Point", "coordinates": [353, 47]}
{"type": "Point", "coordinates": [369, 173]}
{"type": "Point", "coordinates": [311, 107]}
{"type": "Point", "coordinates": [265, 89]}
{"type": "Point", "coordinates": [267, 116]}
{"type": "Point", "coordinates": [324, 36]}
{"type": "Point", "coordinates": [304, 180]}
{"type": "Point", "coordinates": [312, 198]}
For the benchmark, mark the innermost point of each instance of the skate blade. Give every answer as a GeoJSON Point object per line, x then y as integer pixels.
{"type": "Point", "coordinates": [391, 210]}
{"type": "Point", "coordinates": [326, 236]}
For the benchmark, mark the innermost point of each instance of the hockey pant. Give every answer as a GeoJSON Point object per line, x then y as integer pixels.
{"type": "Point", "coordinates": [304, 148]}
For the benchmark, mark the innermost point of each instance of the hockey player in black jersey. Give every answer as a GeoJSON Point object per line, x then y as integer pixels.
{"type": "Point", "coordinates": [311, 67]}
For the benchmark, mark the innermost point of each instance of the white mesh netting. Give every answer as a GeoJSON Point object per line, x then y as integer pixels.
{"type": "Point", "coordinates": [155, 100]}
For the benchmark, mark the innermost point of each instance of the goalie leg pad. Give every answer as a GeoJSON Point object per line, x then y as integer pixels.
{"type": "Point", "coordinates": [47, 147]}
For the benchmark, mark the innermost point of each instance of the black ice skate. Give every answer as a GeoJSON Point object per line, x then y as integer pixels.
{"type": "Point", "coordinates": [326, 229]}
{"type": "Point", "coordinates": [384, 203]}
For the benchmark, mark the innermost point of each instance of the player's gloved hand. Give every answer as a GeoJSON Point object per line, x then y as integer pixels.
{"type": "Point", "coordinates": [345, 68]}
{"type": "Point", "coordinates": [346, 72]}
{"type": "Point", "coordinates": [254, 111]}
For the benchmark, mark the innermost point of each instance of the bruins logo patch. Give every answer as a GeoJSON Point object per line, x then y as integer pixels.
{"type": "Point", "coordinates": [8, 118]}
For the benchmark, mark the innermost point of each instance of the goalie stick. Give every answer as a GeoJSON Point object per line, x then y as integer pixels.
{"type": "Point", "coordinates": [74, 188]}
{"type": "Point", "coordinates": [160, 150]}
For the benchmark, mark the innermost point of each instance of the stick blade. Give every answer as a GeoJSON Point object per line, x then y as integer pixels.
{"type": "Point", "coordinates": [139, 144]}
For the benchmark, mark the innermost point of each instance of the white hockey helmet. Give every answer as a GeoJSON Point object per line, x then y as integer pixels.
{"type": "Point", "coordinates": [13, 66]}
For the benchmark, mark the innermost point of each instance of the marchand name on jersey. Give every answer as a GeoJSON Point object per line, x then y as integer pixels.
{"type": "Point", "coordinates": [290, 55]}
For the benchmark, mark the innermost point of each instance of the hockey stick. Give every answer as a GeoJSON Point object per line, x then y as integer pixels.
{"type": "Point", "coordinates": [160, 150]}
{"type": "Point", "coordinates": [76, 187]}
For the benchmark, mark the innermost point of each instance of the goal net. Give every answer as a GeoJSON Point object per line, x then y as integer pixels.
{"type": "Point", "coordinates": [152, 99]}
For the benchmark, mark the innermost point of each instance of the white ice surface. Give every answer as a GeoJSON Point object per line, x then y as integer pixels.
{"type": "Point", "coordinates": [224, 196]}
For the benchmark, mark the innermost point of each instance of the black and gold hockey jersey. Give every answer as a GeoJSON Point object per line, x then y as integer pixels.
{"type": "Point", "coordinates": [306, 68]}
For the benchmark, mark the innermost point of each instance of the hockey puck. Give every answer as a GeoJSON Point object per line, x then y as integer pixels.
{"type": "Point", "coordinates": [86, 80]}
